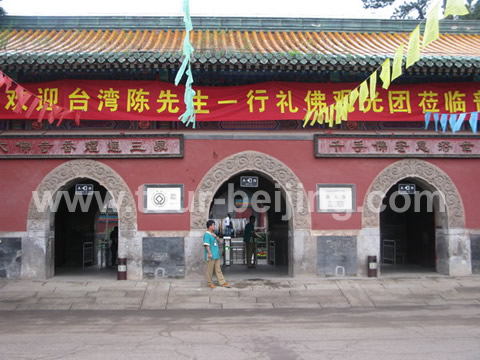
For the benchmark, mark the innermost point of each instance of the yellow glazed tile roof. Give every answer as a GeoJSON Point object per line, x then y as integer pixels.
{"type": "Point", "coordinates": [227, 47]}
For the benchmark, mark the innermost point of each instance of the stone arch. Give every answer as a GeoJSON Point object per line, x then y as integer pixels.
{"type": "Point", "coordinates": [423, 170]}
{"type": "Point", "coordinates": [39, 247]}
{"type": "Point", "coordinates": [302, 248]}
{"type": "Point", "coordinates": [251, 161]}
{"type": "Point", "coordinates": [452, 239]}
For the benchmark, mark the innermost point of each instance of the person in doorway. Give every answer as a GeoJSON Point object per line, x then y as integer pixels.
{"type": "Point", "coordinates": [227, 225]}
{"type": "Point", "coordinates": [114, 245]}
{"type": "Point", "coordinates": [249, 239]}
{"type": "Point", "coordinates": [212, 256]}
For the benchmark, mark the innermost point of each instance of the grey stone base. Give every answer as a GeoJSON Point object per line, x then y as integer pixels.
{"type": "Point", "coordinates": [475, 246]}
{"type": "Point", "coordinates": [10, 258]}
{"type": "Point", "coordinates": [163, 257]}
{"type": "Point", "coordinates": [337, 255]}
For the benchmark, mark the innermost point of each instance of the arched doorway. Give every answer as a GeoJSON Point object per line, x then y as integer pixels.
{"type": "Point", "coordinates": [302, 247]}
{"type": "Point", "coordinates": [409, 213]}
{"type": "Point", "coordinates": [38, 248]}
{"type": "Point", "coordinates": [84, 221]}
{"type": "Point", "coordinates": [254, 194]}
{"type": "Point", "coordinates": [452, 240]}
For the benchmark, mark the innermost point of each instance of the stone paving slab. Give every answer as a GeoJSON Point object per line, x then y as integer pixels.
{"type": "Point", "coordinates": [247, 294]}
{"type": "Point", "coordinates": [193, 306]}
{"type": "Point", "coordinates": [248, 306]}
{"type": "Point", "coordinates": [316, 293]}
{"type": "Point", "coordinates": [440, 301]}
{"type": "Point", "coordinates": [334, 302]}
{"type": "Point", "coordinates": [8, 307]}
{"type": "Point", "coordinates": [296, 305]}
{"type": "Point", "coordinates": [108, 293]}
{"type": "Point", "coordinates": [156, 296]}
{"type": "Point", "coordinates": [265, 292]}
{"type": "Point", "coordinates": [103, 307]}
{"type": "Point", "coordinates": [356, 296]}
{"type": "Point", "coordinates": [31, 307]}
{"type": "Point", "coordinates": [215, 299]}
{"type": "Point", "coordinates": [189, 299]}
{"type": "Point", "coordinates": [62, 293]}
{"type": "Point", "coordinates": [66, 301]}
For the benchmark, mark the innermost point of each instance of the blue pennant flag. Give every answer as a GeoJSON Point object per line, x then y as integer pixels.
{"type": "Point", "coordinates": [459, 123]}
{"type": "Point", "coordinates": [435, 118]}
{"type": "Point", "coordinates": [474, 121]}
{"type": "Point", "coordinates": [188, 117]}
{"type": "Point", "coordinates": [444, 122]}
{"type": "Point", "coordinates": [428, 115]}
{"type": "Point", "coordinates": [452, 120]}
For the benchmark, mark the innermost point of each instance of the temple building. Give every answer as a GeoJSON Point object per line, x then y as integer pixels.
{"type": "Point", "coordinates": [90, 139]}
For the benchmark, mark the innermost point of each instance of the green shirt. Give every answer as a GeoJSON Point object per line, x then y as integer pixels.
{"type": "Point", "coordinates": [247, 236]}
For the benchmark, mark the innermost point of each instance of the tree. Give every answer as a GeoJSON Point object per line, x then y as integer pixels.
{"type": "Point", "coordinates": [417, 9]}
{"type": "Point", "coordinates": [2, 11]}
{"type": "Point", "coordinates": [474, 7]}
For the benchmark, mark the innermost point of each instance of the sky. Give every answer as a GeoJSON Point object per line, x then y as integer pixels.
{"type": "Point", "coordinates": [268, 8]}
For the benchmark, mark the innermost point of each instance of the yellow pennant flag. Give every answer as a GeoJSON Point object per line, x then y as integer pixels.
{"type": "Point", "coordinates": [338, 112]}
{"type": "Point", "coordinates": [456, 7]}
{"type": "Point", "coordinates": [341, 108]}
{"type": "Point", "coordinates": [385, 74]}
{"type": "Point", "coordinates": [413, 51]}
{"type": "Point", "coordinates": [321, 115]}
{"type": "Point", "coordinates": [346, 106]}
{"type": "Point", "coordinates": [352, 98]}
{"type": "Point", "coordinates": [397, 63]}
{"type": "Point", "coordinates": [307, 117]}
{"type": "Point", "coordinates": [329, 113]}
{"type": "Point", "coordinates": [373, 85]}
{"type": "Point", "coordinates": [363, 95]}
{"type": "Point", "coordinates": [314, 119]}
{"type": "Point", "coordinates": [432, 31]}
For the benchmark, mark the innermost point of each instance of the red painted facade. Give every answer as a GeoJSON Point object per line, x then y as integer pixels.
{"type": "Point", "coordinates": [21, 177]}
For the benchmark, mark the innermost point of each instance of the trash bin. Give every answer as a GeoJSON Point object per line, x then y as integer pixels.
{"type": "Point", "coordinates": [372, 266]}
{"type": "Point", "coordinates": [227, 256]}
{"type": "Point", "coordinates": [122, 269]}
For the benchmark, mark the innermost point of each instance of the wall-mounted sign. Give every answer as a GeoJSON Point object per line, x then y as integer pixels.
{"type": "Point", "coordinates": [164, 198]}
{"type": "Point", "coordinates": [335, 198]}
{"type": "Point", "coordinates": [249, 181]}
{"type": "Point", "coordinates": [83, 189]}
{"type": "Point", "coordinates": [91, 146]}
{"type": "Point", "coordinates": [407, 188]}
{"type": "Point", "coordinates": [418, 146]}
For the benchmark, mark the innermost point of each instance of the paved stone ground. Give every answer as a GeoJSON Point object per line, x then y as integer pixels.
{"type": "Point", "coordinates": [260, 294]}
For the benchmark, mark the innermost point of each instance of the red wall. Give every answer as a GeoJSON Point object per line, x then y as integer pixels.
{"type": "Point", "coordinates": [18, 178]}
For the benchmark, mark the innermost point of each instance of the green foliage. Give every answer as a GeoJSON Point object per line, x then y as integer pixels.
{"type": "Point", "coordinates": [417, 9]}
{"type": "Point", "coordinates": [474, 7]}
{"type": "Point", "coordinates": [376, 4]}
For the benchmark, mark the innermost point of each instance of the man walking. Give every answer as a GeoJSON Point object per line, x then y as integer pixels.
{"type": "Point", "coordinates": [249, 239]}
{"type": "Point", "coordinates": [212, 256]}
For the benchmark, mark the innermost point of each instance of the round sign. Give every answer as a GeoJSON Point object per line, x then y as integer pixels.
{"type": "Point", "coordinates": [159, 199]}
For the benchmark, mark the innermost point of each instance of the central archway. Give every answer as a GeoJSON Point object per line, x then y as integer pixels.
{"type": "Point", "coordinates": [302, 247]}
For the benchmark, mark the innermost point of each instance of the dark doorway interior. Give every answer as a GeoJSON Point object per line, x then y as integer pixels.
{"type": "Point", "coordinates": [407, 234]}
{"type": "Point", "coordinates": [80, 232]}
{"type": "Point", "coordinates": [272, 252]}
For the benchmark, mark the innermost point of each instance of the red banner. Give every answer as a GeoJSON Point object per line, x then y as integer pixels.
{"type": "Point", "coordinates": [159, 101]}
